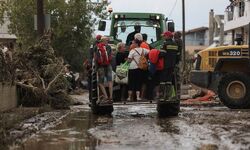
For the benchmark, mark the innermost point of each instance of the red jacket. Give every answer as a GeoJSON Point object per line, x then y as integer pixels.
{"type": "Point", "coordinates": [154, 58]}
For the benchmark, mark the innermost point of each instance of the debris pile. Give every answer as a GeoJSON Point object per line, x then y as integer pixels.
{"type": "Point", "coordinates": [42, 80]}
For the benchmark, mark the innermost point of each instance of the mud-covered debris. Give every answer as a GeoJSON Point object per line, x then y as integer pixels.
{"type": "Point", "coordinates": [209, 147]}
{"type": "Point", "coordinates": [42, 79]}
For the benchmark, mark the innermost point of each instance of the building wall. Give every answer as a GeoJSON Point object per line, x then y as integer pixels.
{"type": "Point", "coordinates": [197, 41]}
{"type": "Point", "coordinates": [206, 38]}
{"type": "Point", "coordinates": [197, 38]}
{"type": "Point", "coordinates": [5, 37]}
{"type": "Point", "coordinates": [233, 20]}
{"type": "Point", "coordinates": [236, 24]}
{"type": "Point", "coordinates": [4, 32]}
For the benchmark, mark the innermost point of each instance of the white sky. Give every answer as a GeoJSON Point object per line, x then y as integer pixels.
{"type": "Point", "coordinates": [197, 11]}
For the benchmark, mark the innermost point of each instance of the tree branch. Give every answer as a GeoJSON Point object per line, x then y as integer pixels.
{"type": "Point", "coordinates": [53, 81]}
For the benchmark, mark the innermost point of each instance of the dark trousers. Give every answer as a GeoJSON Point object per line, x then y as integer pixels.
{"type": "Point", "coordinates": [167, 75]}
{"type": "Point", "coordinates": [135, 79]}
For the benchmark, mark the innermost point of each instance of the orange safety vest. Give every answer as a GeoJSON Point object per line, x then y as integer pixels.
{"type": "Point", "coordinates": [145, 45]}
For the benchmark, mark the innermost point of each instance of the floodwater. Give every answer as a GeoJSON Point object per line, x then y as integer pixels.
{"type": "Point", "coordinates": [138, 127]}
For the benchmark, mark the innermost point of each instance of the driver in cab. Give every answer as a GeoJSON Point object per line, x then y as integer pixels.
{"type": "Point", "coordinates": [131, 35]}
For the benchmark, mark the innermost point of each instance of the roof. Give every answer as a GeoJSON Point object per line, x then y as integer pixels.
{"type": "Point", "coordinates": [197, 30]}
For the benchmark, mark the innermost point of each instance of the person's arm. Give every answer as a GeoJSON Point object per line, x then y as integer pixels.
{"type": "Point", "coordinates": [129, 60]}
{"type": "Point", "coordinates": [130, 56]}
{"type": "Point", "coordinates": [130, 38]}
{"type": "Point", "coordinates": [146, 51]}
{"type": "Point", "coordinates": [163, 53]}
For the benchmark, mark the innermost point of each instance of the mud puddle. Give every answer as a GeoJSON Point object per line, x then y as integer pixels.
{"type": "Point", "coordinates": [138, 127]}
{"type": "Point", "coordinates": [71, 134]}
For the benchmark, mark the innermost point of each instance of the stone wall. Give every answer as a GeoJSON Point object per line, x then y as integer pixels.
{"type": "Point", "coordinates": [8, 97]}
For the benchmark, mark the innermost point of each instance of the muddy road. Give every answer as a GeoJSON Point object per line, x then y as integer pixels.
{"type": "Point", "coordinates": [138, 127]}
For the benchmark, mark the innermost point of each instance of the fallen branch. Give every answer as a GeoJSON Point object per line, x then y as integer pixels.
{"type": "Point", "coordinates": [26, 85]}
{"type": "Point", "coordinates": [54, 80]}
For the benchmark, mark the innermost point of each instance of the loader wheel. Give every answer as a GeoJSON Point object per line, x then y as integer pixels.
{"type": "Point", "coordinates": [166, 109]}
{"type": "Point", "coordinates": [233, 90]}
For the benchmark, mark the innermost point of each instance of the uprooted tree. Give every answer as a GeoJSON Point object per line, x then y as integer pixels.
{"type": "Point", "coordinates": [42, 71]}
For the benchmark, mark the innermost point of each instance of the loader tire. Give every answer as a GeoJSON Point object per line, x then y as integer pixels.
{"type": "Point", "coordinates": [233, 90]}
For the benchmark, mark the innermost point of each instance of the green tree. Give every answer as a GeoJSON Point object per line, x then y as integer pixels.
{"type": "Point", "coordinates": [71, 24]}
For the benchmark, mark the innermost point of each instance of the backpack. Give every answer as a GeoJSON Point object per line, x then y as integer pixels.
{"type": "Point", "coordinates": [156, 62]}
{"type": "Point", "coordinates": [103, 55]}
{"type": "Point", "coordinates": [143, 62]}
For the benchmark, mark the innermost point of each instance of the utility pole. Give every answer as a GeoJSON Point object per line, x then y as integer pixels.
{"type": "Point", "coordinates": [211, 26]}
{"type": "Point", "coordinates": [183, 35]}
{"type": "Point", "coordinates": [40, 18]}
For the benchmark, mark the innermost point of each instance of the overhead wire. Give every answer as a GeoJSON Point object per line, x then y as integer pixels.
{"type": "Point", "coordinates": [172, 10]}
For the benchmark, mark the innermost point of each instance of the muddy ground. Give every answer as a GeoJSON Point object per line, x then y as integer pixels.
{"type": "Point", "coordinates": [138, 127]}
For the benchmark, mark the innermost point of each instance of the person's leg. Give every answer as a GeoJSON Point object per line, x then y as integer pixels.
{"type": "Point", "coordinates": [138, 95]}
{"type": "Point", "coordinates": [130, 84]}
{"type": "Point", "coordinates": [143, 91]}
{"type": "Point", "coordinates": [101, 75]}
{"type": "Point", "coordinates": [156, 80]}
{"type": "Point", "coordinates": [108, 74]}
{"type": "Point", "coordinates": [123, 92]}
{"type": "Point", "coordinates": [102, 87]}
{"type": "Point", "coordinates": [144, 84]}
{"type": "Point", "coordinates": [157, 92]}
{"type": "Point", "coordinates": [110, 84]}
{"type": "Point", "coordinates": [138, 82]}
{"type": "Point", "coordinates": [130, 95]}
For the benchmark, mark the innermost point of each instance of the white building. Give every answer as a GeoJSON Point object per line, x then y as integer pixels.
{"type": "Point", "coordinates": [237, 19]}
{"type": "Point", "coordinates": [197, 39]}
{"type": "Point", "coordinates": [5, 37]}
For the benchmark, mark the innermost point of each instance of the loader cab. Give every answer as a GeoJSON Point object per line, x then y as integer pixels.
{"type": "Point", "coordinates": [151, 24]}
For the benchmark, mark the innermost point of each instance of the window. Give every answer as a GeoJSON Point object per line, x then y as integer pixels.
{"type": "Point", "coordinates": [241, 8]}
{"type": "Point", "coordinates": [230, 10]}
{"type": "Point", "coordinates": [149, 27]}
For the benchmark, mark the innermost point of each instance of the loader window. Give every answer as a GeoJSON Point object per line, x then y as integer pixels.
{"type": "Point", "coordinates": [148, 27]}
